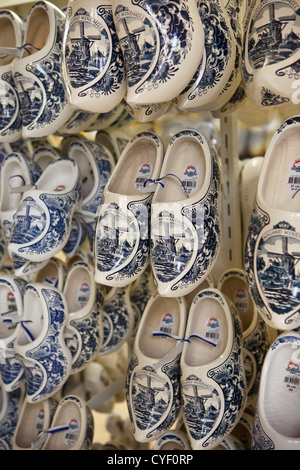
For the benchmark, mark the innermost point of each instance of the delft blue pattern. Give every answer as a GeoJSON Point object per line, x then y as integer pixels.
{"type": "Point", "coordinates": [46, 365]}
{"type": "Point", "coordinates": [59, 210]}
{"type": "Point", "coordinates": [166, 260]}
{"type": "Point", "coordinates": [10, 116]}
{"type": "Point", "coordinates": [10, 419]}
{"type": "Point", "coordinates": [149, 395]}
{"type": "Point", "coordinates": [280, 289]}
{"type": "Point", "coordinates": [272, 46]}
{"type": "Point", "coordinates": [46, 81]}
{"type": "Point", "coordinates": [230, 377]}
{"type": "Point", "coordinates": [111, 252]}
{"type": "Point", "coordinates": [76, 237]}
{"type": "Point", "coordinates": [117, 321]}
{"type": "Point", "coordinates": [83, 67]}
{"type": "Point", "coordinates": [86, 334]}
{"type": "Point", "coordinates": [34, 174]}
{"type": "Point", "coordinates": [175, 17]}
{"type": "Point", "coordinates": [11, 369]}
{"type": "Point", "coordinates": [217, 47]}
{"type": "Point", "coordinates": [89, 425]}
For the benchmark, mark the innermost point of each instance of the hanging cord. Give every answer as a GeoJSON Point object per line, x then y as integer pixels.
{"type": "Point", "coordinates": [159, 181]}
{"type": "Point", "coordinates": [17, 51]}
{"type": "Point", "coordinates": [14, 323]}
{"type": "Point", "coordinates": [185, 340]}
{"type": "Point", "coordinates": [42, 436]}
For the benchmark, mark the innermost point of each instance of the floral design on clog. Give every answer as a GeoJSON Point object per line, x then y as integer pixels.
{"type": "Point", "coordinates": [153, 396]}
{"type": "Point", "coordinates": [93, 61]}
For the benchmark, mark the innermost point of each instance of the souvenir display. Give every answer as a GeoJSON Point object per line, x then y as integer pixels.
{"type": "Point", "coordinates": [149, 227]}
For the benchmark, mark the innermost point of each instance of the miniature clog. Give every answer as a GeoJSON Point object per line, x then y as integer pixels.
{"type": "Point", "coordinates": [152, 383]}
{"type": "Point", "coordinates": [271, 53]}
{"type": "Point", "coordinates": [72, 426]}
{"type": "Point", "coordinates": [18, 174]}
{"type": "Point", "coordinates": [118, 319]}
{"type": "Point", "coordinates": [12, 30]}
{"type": "Point", "coordinates": [92, 58]}
{"type": "Point", "coordinates": [213, 382]}
{"type": "Point", "coordinates": [10, 409]}
{"type": "Point", "coordinates": [162, 44]}
{"type": "Point", "coordinates": [84, 330]}
{"type": "Point", "coordinates": [185, 226]}
{"type": "Point", "coordinates": [272, 246]}
{"type": "Point", "coordinates": [38, 75]}
{"type": "Point", "coordinates": [11, 301]}
{"type": "Point", "coordinates": [40, 343]}
{"type": "Point", "coordinates": [255, 336]}
{"type": "Point", "coordinates": [122, 241]}
{"type": "Point", "coordinates": [217, 61]}
{"type": "Point", "coordinates": [43, 220]}
{"type": "Point", "coordinates": [34, 418]}
{"type": "Point", "coordinates": [95, 163]}
{"type": "Point", "coordinates": [276, 420]}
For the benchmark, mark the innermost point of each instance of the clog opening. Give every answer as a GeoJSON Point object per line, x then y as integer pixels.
{"type": "Point", "coordinates": [78, 154]}
{"type": "Point", "coordinates": [8, 311]}
{"type": "Point", "coordinates": [59, 176]}
{"type": "Point", "coordinates": [281, 181]}
{"type": "Point", "coordinates": [235, 288]}
{"type": "Point", "coordinates": [33, 319]}
{"type": "Point", "coordinates": [78, 289]}
{"type": "Point", "coordinates": [282, 392]}
{"type": "Point", "coordinates": [68, 413]}
{"type": "Point", "coordinates": [13, 177]}
{"type": "Point", "coordinates": [30, 425]}
{"type": "Point", "coordinates": [209, 322]}
{"type": "Point", "coordinates": [163, 316]}
{"type": "Point", "coordinates": [188, 163]}
{"type": "Point", "coordinates": [48, 274]}
{"type": "Point", "coordinates": [38, 29]}
{"type": "Point", "coordinates": [7, 39]}
{"type": "Point", "coordinates": [126, 180]}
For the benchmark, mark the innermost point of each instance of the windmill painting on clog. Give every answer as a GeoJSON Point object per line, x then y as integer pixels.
{"type": "Point", "coordinates": [92, 59]}
{"type": "Point", "coordinates": [162, 45]}
{"type": "Point", "coordinates": [38, 74]}
{"type": "Point", "coordinates": [272, 251]}
{"type": "Point", "coordinates": [271, 55]}
{"type": "Point", "coordinates": [185, 229]}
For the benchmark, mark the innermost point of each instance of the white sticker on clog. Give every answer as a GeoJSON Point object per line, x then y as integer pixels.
{"type": "Point", "coordinates": [11, 301]}
{"type": "Point", "coordinates": [143, 174]}
{"type": "Point", "coordinates": [292, 376]}
{"type": "Point", "coordinates": [241, 300]}
{"type": "Point", "coordinates": [190, 178]}
{"type": "Point", "coordinates": [39, 423]}
{"type": "Point", "coordinates": [167, 323]}
{"type": "Point", "coordinates": [71, 435]}
{"type": "Point", "coordinates": [213, 330]}
{"type": "Point", "coordinates": [294, 175]}
{"type": "Point", "coordinates": [83, 294]}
